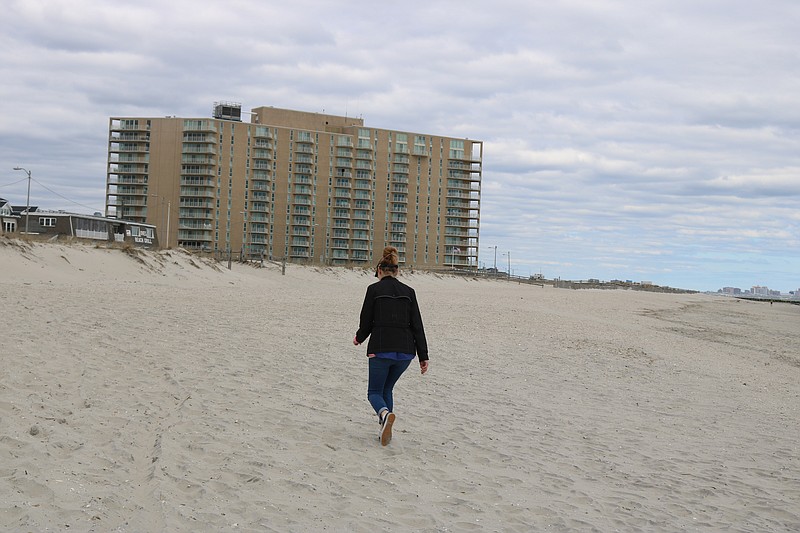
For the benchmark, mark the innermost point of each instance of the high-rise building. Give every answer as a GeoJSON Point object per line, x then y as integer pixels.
{"type": "Point", "coordinates": [309, 187]}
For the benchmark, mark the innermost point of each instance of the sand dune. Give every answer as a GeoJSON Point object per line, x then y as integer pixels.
{"type": "Point", "coordinates": [161, 392]}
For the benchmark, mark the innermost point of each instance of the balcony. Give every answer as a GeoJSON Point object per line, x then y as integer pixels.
{"type": "Point", "coordinates": [115, 179]}
{"type": "Point", "coordinates": [197, 181]}
{"type": "Point", "coordinates": [199, 149]}
{"type": "Point", "coordinates": [131, 190]}
{"type": "Point", "coordinates": [198, 171]}
{"type": "Point", "coordinates": [262, 132]}
{"type": "Point", "coordinates": [127, 136]}
{"type": "Point", "coordinates": [190, 224]}
{"type": "Point", "coordinates": [199, 214]}
{"type": "Point", "coordinates": [458, 204]}
{"type": "Point", "coordinates": [196, 192]}
{"type": "Point", "coordinates": [198, 160]}
{"type": "Point", "coordinates": [301, 200]}
{"type": "Point", "coordinates": [199, 138]}
{"type": "Point", "coordinates": [199, 125]}
{"type": "Point", "coordinates": [127, 168]}
{"type": "Point", "coordinates": [132, 213]}
{"type": "Point", "coordinates": [126, 147]}
{"type": "Point", "coordinates": [196, 202]}
{"type": "Point", "coordinates": [128, 125]}
{"type": "Point", "coordinates": [195, 235]}
{"type": "Point", "coordinates": [421, 151]}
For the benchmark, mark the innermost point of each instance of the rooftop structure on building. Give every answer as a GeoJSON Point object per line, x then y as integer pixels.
{"type": "Point", "coordinates": [309, 187]}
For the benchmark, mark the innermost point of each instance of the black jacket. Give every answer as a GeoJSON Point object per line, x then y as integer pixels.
{"type": "Point", "coordinates": [390, 318]}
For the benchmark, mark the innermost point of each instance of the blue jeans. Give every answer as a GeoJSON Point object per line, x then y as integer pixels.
{"type": "Point", "coordinates": [383, 374]}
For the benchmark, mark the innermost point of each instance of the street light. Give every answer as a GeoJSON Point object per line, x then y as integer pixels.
{"type": "Point", "coordinates": [28, 205]}
{"type": "Point", "coordinates": [495, 258]}
{"type": "Point", "coordinates": [509, 263]}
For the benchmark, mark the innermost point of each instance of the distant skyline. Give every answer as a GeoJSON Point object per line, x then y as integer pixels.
{"type": "Point", "coordinates": [623, 140]}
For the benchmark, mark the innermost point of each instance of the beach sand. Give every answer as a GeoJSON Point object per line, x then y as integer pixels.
{"type": "Point", "coordinates": [160, 392]}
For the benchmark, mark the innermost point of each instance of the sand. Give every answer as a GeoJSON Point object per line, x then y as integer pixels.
{"type": "Point", "coordinates": [161, 392]}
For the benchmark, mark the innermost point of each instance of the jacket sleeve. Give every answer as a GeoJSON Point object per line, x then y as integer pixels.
{"type": "Point", "coordinates": [418, 329]}
{"type": "Point", "coordinates": [365, 321]}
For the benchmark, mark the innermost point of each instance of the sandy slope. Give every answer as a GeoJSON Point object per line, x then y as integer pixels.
{"type": "Point", "coordinates": [159, 392]}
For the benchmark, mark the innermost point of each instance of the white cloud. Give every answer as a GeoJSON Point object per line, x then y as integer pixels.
{"type": "Point", "coordinates": [655, 139]}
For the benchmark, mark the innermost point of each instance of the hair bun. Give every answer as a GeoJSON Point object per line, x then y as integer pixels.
{"type": "Point", "coordinates": [390, 256]}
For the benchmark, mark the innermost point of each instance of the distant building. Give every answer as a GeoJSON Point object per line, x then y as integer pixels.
{"type": "Point", "coordinates": [92, 227]}
{"type": "Point", "coordinates": [731, 290]}
{"type": "Point", "coordinates": [306, 186]}
{"type": "Point", "coordinates": [758, 290]}
{"type": "Point", "coordinates": [8, 219]}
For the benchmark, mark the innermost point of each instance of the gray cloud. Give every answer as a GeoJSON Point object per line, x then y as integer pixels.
{"type": "Point", "coordinates": [627, 140]}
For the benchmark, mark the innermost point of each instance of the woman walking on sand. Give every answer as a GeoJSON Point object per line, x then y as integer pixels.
{"type": "Point", "coordinates": [390, 317]}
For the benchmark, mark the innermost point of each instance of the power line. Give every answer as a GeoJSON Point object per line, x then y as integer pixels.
{"type": "Point", "coordinates": [65, 198]}
{"type": "Point", "coordinates": [10, 184]}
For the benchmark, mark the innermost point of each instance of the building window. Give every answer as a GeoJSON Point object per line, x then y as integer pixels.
{"type": "Point", "coordinates": [47, 222]}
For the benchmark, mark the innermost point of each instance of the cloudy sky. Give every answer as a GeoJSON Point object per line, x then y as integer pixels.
{"type": "Point", "coordinates": [644, 140]}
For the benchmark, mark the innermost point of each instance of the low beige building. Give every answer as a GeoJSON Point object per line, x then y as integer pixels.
{"type": "Point", "coordinates": [308, 187]}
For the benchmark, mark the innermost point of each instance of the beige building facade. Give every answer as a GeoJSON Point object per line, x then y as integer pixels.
{"type": "Point", "coordinates": [308, 187]}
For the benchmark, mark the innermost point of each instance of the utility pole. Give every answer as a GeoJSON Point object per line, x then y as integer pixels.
{"type": "Point", "coordinates": [169, 209]}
